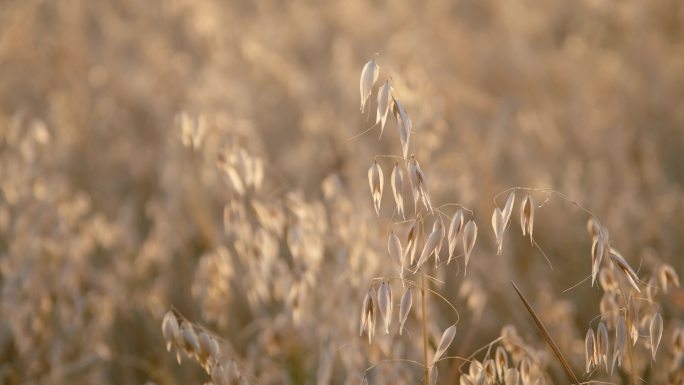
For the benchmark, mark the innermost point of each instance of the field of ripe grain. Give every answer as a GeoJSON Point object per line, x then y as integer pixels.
{"type": "Point", "coordinates": [341, 192]}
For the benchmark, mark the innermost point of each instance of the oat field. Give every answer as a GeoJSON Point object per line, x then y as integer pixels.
{"type": "Point", "coordinates": [341, 192]}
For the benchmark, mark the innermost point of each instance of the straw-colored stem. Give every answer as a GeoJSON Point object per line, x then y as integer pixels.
{"type": "Point", "coordinates": [423, 291]}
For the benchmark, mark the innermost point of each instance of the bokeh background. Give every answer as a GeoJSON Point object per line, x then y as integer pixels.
{"type": "Point", "coordinates": [111, 213]}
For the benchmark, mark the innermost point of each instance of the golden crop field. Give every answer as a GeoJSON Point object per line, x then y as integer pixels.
{"type": "Point", "coordinates": [341, 192]}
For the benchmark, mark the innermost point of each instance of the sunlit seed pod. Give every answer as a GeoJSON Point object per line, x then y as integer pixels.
{"type": "Point", "coordinates": [403, 125]}
{"type": "Point", "coordinates": [620, 342]}
{"type": "Point", "coordinates": [398, 188]}
{"type": "Point", "coordinates": [469, 238]}
{"type": "Point", "coordinates": [170, 329]}
{"type": "Point", "coordinates": [376, 182]}
{"type": "Point", "coordinates": [454, 229]}
{"type": "Point", "coordinates": [677, 341]}
{"type": "Point", "coordinates": [385, 304]}
{"type": "Point", "coordinates": [633, 320]}
{"type": "Point", "coordinates": [490, 370]}
{"type": "Point", "coordinates": [412, 238]}
{"type": "Point", "coordinates": [369, 75]}
{"type": "Point", "coordinates": [419, 185]}
{"type": "Point", "coordinates": [602, 344]}
{"type": "Point", "coordinates": [507, 211]}
{"type": "Point", "coordinates": [527, 216]}
{"type": "Point", "coordinates": [608, 281]}
{"type": "Point", "coordinates": [512, 377]}
{"type": "Point", "coordinates": [190, 343]}
{"type": "Point", "coordinates": [475, 369]}
{"type": "Point", "coordinates": [205, 351]}
{"type": "Point", "coordinates": [367, 301]}
{"type": "Point", "coordinates": [394, 249]}
{"type": "Point", "coordinates": [444, 342]}
{"type": "Point", "coordinates": [438, 225]}
{"type": "Point", "coordinates": [525, 370]}
{"type": "Point", "coordinates": [589, 350]}
{"type": "Point", "coordinates": [628, 272]}
{"type": "Point", "coordinates": [668, 277]}
{"type": "Point", "coordinates": [501, 360]}
{"type": "Point", "coordinates": [593, 227]}
{"type": "Point", "coordinates": [433, 375]}
{"type": "Point", "coordinates": [432, 243]}
{"type": "Point", "coordinates": [383, 105]}
{"type": "Point", "coordinates": [597, 249]}
{"type": "Point", "coordinates": [405, 308]}
{"type": "Point", "coordinates": [218, 377]}
{"type": "Point", "coordinates": [465, 380]}
{"type": "Point", "coordinates": [498, 226]}
{"type": "Point", "coordinates": [655, 333]}
{"type": "Point", "coordinates": [652, 288]}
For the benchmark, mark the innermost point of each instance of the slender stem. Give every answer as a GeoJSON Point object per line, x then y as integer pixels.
{"type": "Point", "coordinates": [426, 370]}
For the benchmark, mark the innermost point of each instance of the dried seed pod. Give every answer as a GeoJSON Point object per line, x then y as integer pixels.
{"type": "Point", "coordinates": [190, 342]}
{"type": "Point", "coordinates": [469, 237]}
{"type": "Point", "coordinates": [677, 341]}
{"type": "Point", "coordinates": [376, 182]}
{"type": "Point", "coordinates": [418, 184]}
{"type": "Point", "coordinates": [622, 264]}
{"type": "Point", "coordinates": [620, 341]}
{"type": "Point", "coordinates": [593, 227]}
{"type": "Point", "coordinates": [385, 304]}
{"type": "Point", "coordinates": [508, 210]}
{"type": "Point", "coordinates": [465, 380]}
{"type": "Point", "coordinates": [525, 370]}
{"type": "Point", "coordinates": [369, 75]}
{"type": "Point", "coordinates": [454, 228]}
{"type": "Point", "coordinates": [512, 377]}
{"type": "Point", "coordinates": [444, 342]}
{"type": "Point", "coordinates": [655, 333]}
{"type": "Point", "coordinates": [412, 238]}
{"type": "Point", "coordinates": [364, 380]}
{"type": "Point", "coordinates": [501, 360]}
{"type": "Point", "coordinates": [527, 216]}
{"type": "Point", "coordinates": [498, 226]}
{"type": "Point", "coordinates": [398, 188]}
{"type": "Point", "coordinates": [589, 350]}
{"type": "Point", "coordinates": [394, 249]}
{"type": "Point", "coordinates": [597, 249]}
{"type": "Point", "coordinates": [608, 281]}
{"type": "Point", "coordinates": [383, 105]}
{"type": "Point", "coordinates": [432, 244]}
{"type": "Point", "coordinates": [633, 320]}
{"type": "Point", "coordinates": [170, 329]}
{"type": "Point", "coordinates": [668, 277]}
{"type": "Point", "coordinates": [206, 351]}
{"type": "Point", "coordinates": [368, 315]}
{"type": "Point", "coordinates": [602, 344]}
{"type": "Point", "coordinates": [405, 308]}
{"type": "Point", "coordinates": [403, 125]}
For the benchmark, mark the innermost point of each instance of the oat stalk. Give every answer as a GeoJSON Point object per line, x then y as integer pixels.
{"type": "Point", "coordinates": [542, 330]}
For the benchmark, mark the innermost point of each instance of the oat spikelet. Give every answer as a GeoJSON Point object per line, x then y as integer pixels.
{"type": "Point", "coordinates": [398, 188]}
{"type": "Point", "coordinates": [433, 243]}
{"type": "Point", "coordinates": [444, 342]}
{"type": "Point", "coordinates": [405, 308]}
{"type": "Point", "coordinates": [469, 238]}
{"type": "Point", "coordinates": [369, 75]}
{"type": "Point", "coordinates": [498, 226]}
{"type": "Point", "coordinates": [454, 228]}
{"type": "Point", "coordinates": [385, 304]}
{"type": "Point", "coordinates": [593, 228]}
{"type": "Point", "coordinates": [403, 125]}
{"type": "Point", "coordinates": [501, 360]}
{"type": "Point", "coordinates": [368, 315]}
{"type": "Point", "coordinates": [170, 329]}
{"type": "Point", "coordinates": [633, 320]}
{"type": "Point", "coordinates": [629, 273]}
{"type": "Point", "coordinates": [508, 210]}
{"type": "Point", "coordinates": [589, 350]}
{"type": "Point", "coordinates": [376, 182]}
{"type": "Point", "coordinates": [364, 380]}
{"type": "Point", "coordinates": [597, 249]}
{"type": "Point", "coordinates": [433, 375]}
{"type": "Point", "coordinates": [414, 234]}
{"type": "Point", "coordinates": [620, 341]}
{"type": "Point", "coordinates": [655, 332]}
{"type": "Point", "coordinates": [383, 106]}
{"type": "Point", "coordinates": [418, 184]}
{"type": "Point", "coordinates": [602, 344]}
{"type": "Point", "coordinates": [394, 249]}
{"type": "Point", "coordinates": [512, 377]}
{"type": "Point", "coordinates": [527, 216]}
{"type": "Point", "coordinates": [667, 277]}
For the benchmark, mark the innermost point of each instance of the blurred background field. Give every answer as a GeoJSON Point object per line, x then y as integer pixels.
{"type": "Point", "coordinates": [110, 214]}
